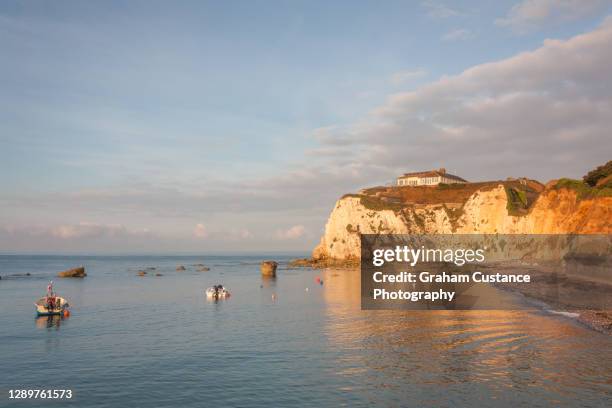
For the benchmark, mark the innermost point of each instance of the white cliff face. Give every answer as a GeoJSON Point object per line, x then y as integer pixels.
{"type": "Point", "coordinates": [350, 218]}
{"type": "Point", "coordinates": [485, 212]}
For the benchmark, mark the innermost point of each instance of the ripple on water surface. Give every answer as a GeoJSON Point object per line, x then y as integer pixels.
{"type": "Point", "coordinates": [156, 341]}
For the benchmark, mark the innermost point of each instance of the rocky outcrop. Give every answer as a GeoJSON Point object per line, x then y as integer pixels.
{"type": "Point", "coordinates": [73, 273]}
{"type": "Point", "coordinates": [180, 268]}
{"type": "Point", "coordinates": [487, 210]}
{"type": "Point", "coordinates": [268, 268]}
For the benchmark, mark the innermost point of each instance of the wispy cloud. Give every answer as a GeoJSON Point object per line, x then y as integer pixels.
{"type": "Point", "coordinates": [200, 231]}
{"type": "Point", "coordinates": [81, 230]}
{"type": "Point", "coordinates": [530, 14]}
{"type": "Point", "coordinates": [436, 9]}
{"type": "Point", "coordinates": [402, 77]}
{"type": "Point", "coordinates": [460, 34]}
{"type": "Point", "coordinates": [295, 232]}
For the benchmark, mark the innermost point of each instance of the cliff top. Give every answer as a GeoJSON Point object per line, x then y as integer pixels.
{"type": "Point", "coordinates": [522, 193]}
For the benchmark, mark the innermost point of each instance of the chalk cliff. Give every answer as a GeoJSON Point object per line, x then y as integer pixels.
{"type": "Point", "coordinates": [505, 207]}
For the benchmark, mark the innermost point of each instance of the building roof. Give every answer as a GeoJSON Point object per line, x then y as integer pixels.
{"type": "Point", "coordinates": [433, 173]}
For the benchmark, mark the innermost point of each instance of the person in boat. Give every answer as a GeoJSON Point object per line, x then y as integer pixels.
{"type": "Point", "coordinates": [50, 296]}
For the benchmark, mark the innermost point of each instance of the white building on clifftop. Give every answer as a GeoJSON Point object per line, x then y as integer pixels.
{"type": "Point", "coordinates": [429, 178]}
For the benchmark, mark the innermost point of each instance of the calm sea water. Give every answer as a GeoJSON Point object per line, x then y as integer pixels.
{"type": "Point", "coordinates": [157, 342]}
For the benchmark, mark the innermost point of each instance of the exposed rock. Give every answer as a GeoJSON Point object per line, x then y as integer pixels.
{"type": "Point", "coordinates": [322, 263]}
{"type": "Point", "coordinates": [301, 263]}
{"type": "Point", "coordinates": [180, 268]}
{"type": "Point", "coordinates": [600, 321]}
{"type": "Point", "coordinates": [268, 268]}
{"type": "Point", "coordinates": [158, 274]}
{"type": "Point", "coordinates": [202, 268]}
{"type": "Point", "coordinates": [73, 273]}
{"type": "Point", "coordinates": [142, 273]}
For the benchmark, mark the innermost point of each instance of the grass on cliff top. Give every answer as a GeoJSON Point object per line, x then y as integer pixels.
{"type": "Point", "coordinates": [375, 203]}
{"type": "Point", "coordinates": [582, 189]}
{"type": "Point", "coordinates": [441, 194]}
{"type": "Point", "coordinates": [398, 198]}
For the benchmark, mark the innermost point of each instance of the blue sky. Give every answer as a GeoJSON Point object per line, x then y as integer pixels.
{"type": "Point", "coordinates": [199, 126]}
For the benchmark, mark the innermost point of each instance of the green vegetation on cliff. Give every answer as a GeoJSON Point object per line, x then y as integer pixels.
{"type": "Point", "coordinates": [593, 177]}
{"type": "Point", "coordinates": [517, 201]}
{"type": "Point", "coordinates": [583, 190]}
{"type": "Point", "coordinates": [520, 196]}
{"type": "Point", "coordinates": [596, 183]}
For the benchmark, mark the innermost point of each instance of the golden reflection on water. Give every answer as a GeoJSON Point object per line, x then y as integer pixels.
{"type": "Point", "coordinates": [501, 349]}
{"type": "Point", "coordinates": [47, 322]}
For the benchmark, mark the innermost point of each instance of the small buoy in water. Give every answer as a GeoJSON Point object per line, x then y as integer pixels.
{"type": "Point", "coordinates": [274, 296]}
{"type": "Point", "coordinates": [306, 289]}
{"type": "Point", "coordinates": [318, 279]}
{"type": "Point", "coordinates": [66, 313]}
{"type": "Point", "coordinates": [321, 282]}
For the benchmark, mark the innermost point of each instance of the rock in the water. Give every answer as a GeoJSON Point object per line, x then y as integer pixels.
{"type": "Point", "coordinates": [73, 273]}
{"type": "Point", "coordinates": [268, 268]}
{"type": "Point", "coordinates": [180, 268]}
{"type": "Point", "coordinates": [203, 268]}
{"type": "Point", "coordinates": [300, 263]}
{"type": "Point", "coordinates": [158, 274]}
{"type": "Point", "coordinates": [141, 273]}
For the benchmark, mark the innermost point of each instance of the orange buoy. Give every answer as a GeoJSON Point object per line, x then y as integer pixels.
{"type": "Point", "coordinates": [66, 313]}
{"type": "Point", "coordinates": [317, 279]}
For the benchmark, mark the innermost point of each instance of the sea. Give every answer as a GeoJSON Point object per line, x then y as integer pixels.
{"type": "Point", "coordinates": [298, 340]}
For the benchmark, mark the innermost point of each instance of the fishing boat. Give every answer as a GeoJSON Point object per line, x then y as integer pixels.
{"type": "Point", "coordinates": [217, 292]}
{"type": "Point", "coordinates": [51, 304]}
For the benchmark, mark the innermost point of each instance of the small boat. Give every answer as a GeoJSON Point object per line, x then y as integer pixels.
{"type": "Point", "coordinates": [51, 304]}
{"type": "Point", "coordinates": [217, 292]}
{"type": "Point", "coordinates": [47, 307]}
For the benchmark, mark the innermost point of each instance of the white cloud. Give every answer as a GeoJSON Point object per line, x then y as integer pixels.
{"type": "Point", "coordinates": [241, 233]}
{"type": "Point", "coordinates": [200, 231]}
{"type": "Point", "coordinates": [86, 229]}
{"type": "Point", "coordinates": [529, 14]}
{"type": "Point", "coordinates": [297, 231]}
{"type": "Point", "coordinates": [460, 34]}
{"type": "Point", "coordinates": [403, 77]}
{"type": "Point", "coordinates": [81, 230]}
{"type": "Point", "coordinates": [541, 113]}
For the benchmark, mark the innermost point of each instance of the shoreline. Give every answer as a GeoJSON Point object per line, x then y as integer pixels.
{"type": "Point", "coordinates": [545, 281]}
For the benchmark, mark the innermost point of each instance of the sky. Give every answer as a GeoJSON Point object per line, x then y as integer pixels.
{"type": "Point", "coordinates": [234, 126]}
